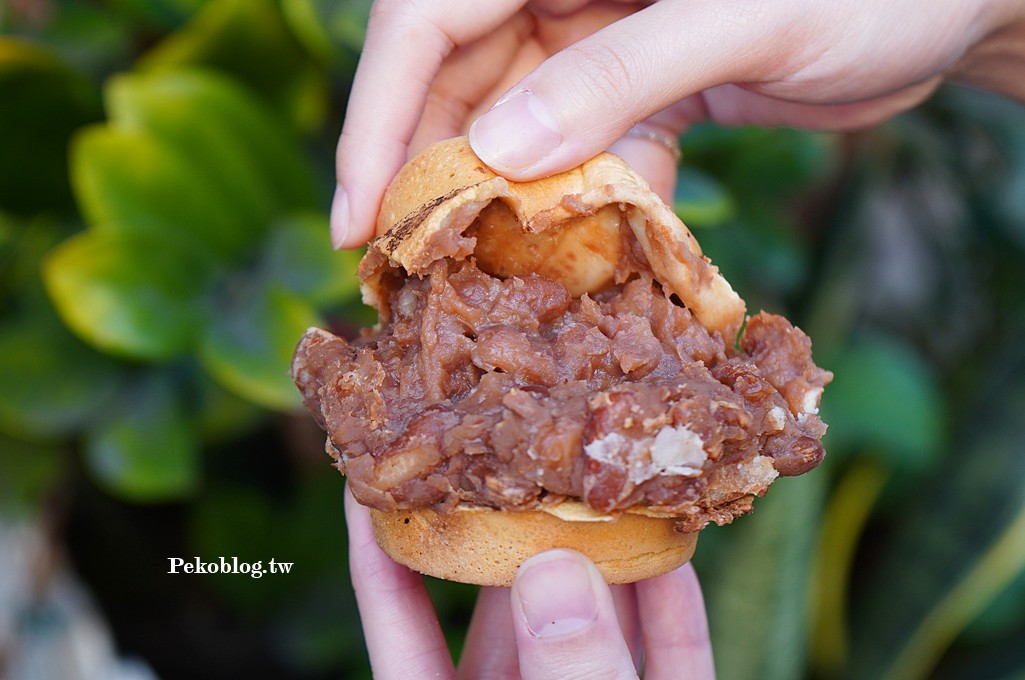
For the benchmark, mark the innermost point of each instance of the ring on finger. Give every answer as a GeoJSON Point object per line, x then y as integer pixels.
{"type": "Point", "coordinates": [658, 136]}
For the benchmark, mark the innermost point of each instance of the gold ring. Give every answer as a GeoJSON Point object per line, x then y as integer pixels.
{"type": "Point", "coordinates": [653, 134]}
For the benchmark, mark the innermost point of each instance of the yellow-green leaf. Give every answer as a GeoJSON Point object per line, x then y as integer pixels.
{"type": "Point", "coordinates": [884, 396]}
{"type": "Point", "coordinates": [132, 183]}
{"type": "Point", "coordinates": [249, 40]}
{"type": "Point", "coordinates": [127, 296]}
{"type": "Point", "coordinates": [847, 512]}
{"type": "Point", "coordinates": [230, 137]}
{"type": "Point", "coordinates": [700, 200]}
{"type": "Point", "coordinates": [334, 31]}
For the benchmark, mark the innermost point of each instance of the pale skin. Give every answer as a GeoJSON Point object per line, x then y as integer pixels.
{"type": "Point", "coordinates": [588, 71]}
{"type": "Point", "coordinates": [559, 620]}
{"type": "Point", "coordinates": [570, 78]}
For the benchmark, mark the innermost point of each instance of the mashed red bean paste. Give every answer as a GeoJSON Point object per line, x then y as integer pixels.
{"type": "Point", "coordinates": [511, 394]}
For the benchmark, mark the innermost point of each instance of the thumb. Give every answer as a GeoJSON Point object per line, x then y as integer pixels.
{"type": "Point", "coordinates": [565, 622]}
{"type": "Point", "coordinates": [582, 99]}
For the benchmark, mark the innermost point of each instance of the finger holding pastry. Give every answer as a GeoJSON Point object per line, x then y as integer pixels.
{"type": "Point", "coordinates": [402, 633]}
{"type": "Point", "coordinates": [542, 86]}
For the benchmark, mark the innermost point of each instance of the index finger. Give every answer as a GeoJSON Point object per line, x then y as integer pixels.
{"type": "Point", "coordinates": [406, 43]}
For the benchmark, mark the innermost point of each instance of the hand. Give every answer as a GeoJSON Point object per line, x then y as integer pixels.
{"type": "Point", "coordinates": [559, 620]}
{"type": "Point", "coordinates": [572, 76]}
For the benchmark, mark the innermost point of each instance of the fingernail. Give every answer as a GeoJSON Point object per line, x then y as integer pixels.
{"type": "Point", "coordinates": [339, 218]}
{"type": "Point", "coordinates": [556, 594]}
{"type": "Point", "coordinates": [516, 133]}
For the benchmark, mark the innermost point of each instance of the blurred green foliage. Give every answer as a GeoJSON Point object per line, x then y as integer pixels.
{"type": "Point", "coordinates": [164, 178]}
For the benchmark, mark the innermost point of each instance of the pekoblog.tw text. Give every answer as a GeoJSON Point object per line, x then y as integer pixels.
{"type": "Point", "coordinates": [228, 565]}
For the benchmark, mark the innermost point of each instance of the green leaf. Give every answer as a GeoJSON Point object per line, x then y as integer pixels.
{"type": "Point", "coordinates": [758, 161]}
{"type": "Point", "coordinates": [700, 200]}
{"type": "Point", "coordinates": [250, 40]}
{"type": "Point", "coordinates": [334, 31]}
{"type": "Point", "coordinates": [784, 160]}
{"type": "Point", "coordinates": [706, 141]}
{"type": "Point", "coordinates": [147, 451]}
{"type": "Point", "coordinates": [299, 256]}
{"type": "Point", "coordinates": [1005, 613]}
{"type": "Point", "coordinates": [8, 247]}
{"type": "Point", "coordinates": [843, 525]}
{"type": "Point", "coordinates": [42, 101]}
{"type": "Point", "coordinates": [960, 542]}
{"type": "Point", "coordinates": [130, 182]}
{"type": "Point", "coordinates": [885, 397]}
{"type": "Point", "coordinates": [759, 255]}
{"type": "Point", "coordinates": [777, 162]}
{"type": "Point", "coordinates": [249, 347]}
{"type": "Point", "coordinates": [159, 15]}
{"type": "Point", "coordinates": [52, 384]}
{"type": "Point", "coordinates": [755, 578]}
{"type": "Point", "coordinates": [127, 296]}
{"type": "Point", "coordinates": [233, 141]}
